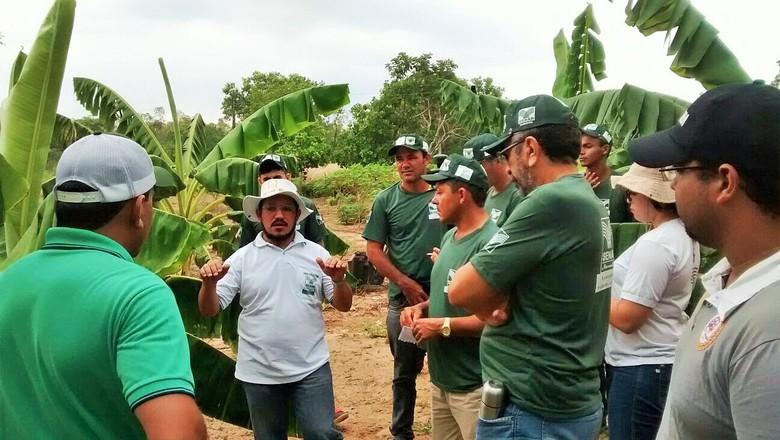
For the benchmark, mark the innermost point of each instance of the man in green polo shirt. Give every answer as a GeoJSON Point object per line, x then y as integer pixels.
{"type": "Point", "coordinates": [595, 146]}
{"type": "Point", "coordinates": [93, 345]}
{"type": "Point", "coordinates": [404, 221]}
{"type": "Point", "coordinates": [452, 334]}
{"type": "Point", "coordinates": [542, 284]}
{"type": "Point", "coordinates": [503, 194]}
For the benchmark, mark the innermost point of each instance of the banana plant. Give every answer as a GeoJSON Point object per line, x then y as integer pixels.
{"type": "Point", "coordinates": [186, 206]}
{"type": "Point", "coordinates": [27, 123]}
{"type": "Point", "coordinates": [582, 60]}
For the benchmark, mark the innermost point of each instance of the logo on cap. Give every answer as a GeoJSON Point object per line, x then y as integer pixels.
{"type": "Point", "coordinates": [591, 127]}
{"type": "Point", "coordinates": [468, 153]}
{"type": "Point", "coordinates": [683, 118]}
{"type": "Point", "coordinates": [445, 165]}
{"type": "Point", "coordinates": [464, 172]}
{"type": "Point", "coordinates": [526, 115]}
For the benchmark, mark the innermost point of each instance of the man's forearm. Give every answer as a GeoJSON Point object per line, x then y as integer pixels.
{"type": "Point", "coordinates": [382, 263]}
{"type": "Point", "coordinates": [208, 303]}
{"type": "Point", "coordinates": [468, 290]}
{"type": "Point", "coordinates": [342, 296]}
{"type": "Point", "coordinates": [467, 326]}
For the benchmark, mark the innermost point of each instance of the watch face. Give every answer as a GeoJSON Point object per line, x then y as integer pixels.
{"type": "Point", "coordinates": [445, 330]}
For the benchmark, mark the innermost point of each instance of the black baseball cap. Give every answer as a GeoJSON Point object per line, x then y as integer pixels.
{"type": "Point", "coordinates": [271, 162]}
{"type": "Point", "coordinates": [738, 124]}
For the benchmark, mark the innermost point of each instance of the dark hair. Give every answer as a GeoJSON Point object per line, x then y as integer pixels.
{"type": "Point", "coordinates": [478, 194]}
{"type": "Point", "coordinates": [89, 216]}
{"type": "Point", "coordinates": [268, 166]}
{"type": "Point", "coordinates": [561, 143]}
{"type": "Point", "coordinates": [670, 207]}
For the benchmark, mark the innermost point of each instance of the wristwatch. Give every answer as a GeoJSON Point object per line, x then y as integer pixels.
{"type": "Point", "coordinates": [445, 328]}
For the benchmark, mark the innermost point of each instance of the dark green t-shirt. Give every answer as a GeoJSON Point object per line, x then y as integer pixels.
{"type": "Point", "coordinates": [408, 224]}
{"type": "Point", "coordinates": [614, 200]}
{"type": "Point", "coordinates": [312, 227]}
{"type": "Point", "coordinates": [553, 257]}
{"type": "Point", "coordinates": [500, 205]}
{"type": "Point", "coordinates": [454, 362]}
{"type": "Point", "coordinates": [87, 336]}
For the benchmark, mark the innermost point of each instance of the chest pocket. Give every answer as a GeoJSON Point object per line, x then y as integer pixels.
{"type": "Point", "coordinates": [310, 286]}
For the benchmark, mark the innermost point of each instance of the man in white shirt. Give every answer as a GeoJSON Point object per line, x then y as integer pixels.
{"type": "Point", "coordinates": [283, 279]}
{"type": "Point", "coordinates": [724, 157]}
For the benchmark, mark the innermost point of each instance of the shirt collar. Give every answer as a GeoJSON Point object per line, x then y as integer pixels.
{"type": "Point", "coordinates": [72, 238]}
{"type": "Point", "coordinates": [297, 240]}
{"type": "Point", "coordinates": [727, 299]}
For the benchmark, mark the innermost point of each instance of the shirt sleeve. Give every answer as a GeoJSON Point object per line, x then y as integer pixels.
{"type": "Point", "coordinates": [328, 287]}
{"type": "Point", "coordinates": [648, 272]}
{"type": "Point", "coordinates": [376, 226]}
{"type": "Point", "coordinates": [152, 356]}
{"type": "Point", "coordinates": [230, 284]}
{"type": "Point", "coordinates": [518, 246]}
{"type": "Point", "coordinates": [753, 389]}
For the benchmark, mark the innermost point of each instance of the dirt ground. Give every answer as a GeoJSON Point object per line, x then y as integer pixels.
{"type": "Point", "coordinates": [360, 359]}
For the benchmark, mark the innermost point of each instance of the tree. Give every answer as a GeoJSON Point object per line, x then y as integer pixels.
{"type": "Point", "coordinates": [233, 102]}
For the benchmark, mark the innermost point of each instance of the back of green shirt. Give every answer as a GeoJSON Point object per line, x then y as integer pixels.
{"type": "Point", "coordinates": [454, 362]}
{"type": "Point", "coordinates": [408, 223]}
{"type": "Point", "coordinates": [500, 205]}
{"type": "Point", "coordinates": [87, 335]}
{"type": "Point", "coordinates": [553, 257]}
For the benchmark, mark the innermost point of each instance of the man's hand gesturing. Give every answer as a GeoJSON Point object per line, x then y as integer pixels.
{"type": "Point", "coordinates": [213, 271]}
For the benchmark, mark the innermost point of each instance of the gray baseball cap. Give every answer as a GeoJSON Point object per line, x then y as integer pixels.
{"type": "Point", "coordinates": [116, 167]}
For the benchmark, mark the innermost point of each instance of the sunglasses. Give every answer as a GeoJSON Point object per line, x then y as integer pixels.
{"type": "Point", "coordinates": [505, 152]}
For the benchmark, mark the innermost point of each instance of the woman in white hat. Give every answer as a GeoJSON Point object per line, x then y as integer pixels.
{"type": "Point", "coordinates": [652, 284]}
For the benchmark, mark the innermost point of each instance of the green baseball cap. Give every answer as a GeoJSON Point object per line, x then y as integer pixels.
{"type": "Point", "coordinates": [599, 132]}
{"type": "Point", "coordinates": [460, 168]}
{"type": "Point", "coordinates": [531, 112]}
{"type": "Point", "coordinates": [271, 162]}
{"type": "Point", "coordinates": [472, 149]}
{"type": "Point", "coordinates": [410, 141]}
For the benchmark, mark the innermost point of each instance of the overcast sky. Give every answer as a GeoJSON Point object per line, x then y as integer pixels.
{"type": "Point", "coordinates": [206, 43]}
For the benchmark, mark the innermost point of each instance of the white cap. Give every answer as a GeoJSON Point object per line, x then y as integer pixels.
{"type": "Point", "coordinates": [117, 168]}
{"type": "Point", "coordinates": [270, 188]}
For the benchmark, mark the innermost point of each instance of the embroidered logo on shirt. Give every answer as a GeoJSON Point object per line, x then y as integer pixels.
{"type": "Point", "coordinates": [495, 214]}
{"type": "Point", "coordinates": [497, 240]}
{"type": "Point", "coordinates": [450, 274]}
{"type": "Point", "coordinates": [310, 281]}
{"type": "Point", "coordinates": [710, 333]}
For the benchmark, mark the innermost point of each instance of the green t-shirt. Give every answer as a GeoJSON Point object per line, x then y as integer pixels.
{"type": "Point", "coordinates": [614, 199]}
{"type": "Point", "coordinates": [553, 257]}
{"type": "Point", "coordinates": [312, 227]}
{"type": "Point", "coordinates": [408, 223]}
{"type": "Point", "coordinates": [87, 335]}
{"type": "Point", "coordinates": [454, 362]}
{"type": "Point", "coordinates": [500, 205]}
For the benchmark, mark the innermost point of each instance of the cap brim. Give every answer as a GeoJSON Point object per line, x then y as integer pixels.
{"type": "Point", "coordinates": [250, 204]}
{"type": "Point", "coordinates": [658, 150]}
{"type": "Point", "coordinates": [433, 178]}
{"type": "Point", "coordinates": [495, 147]}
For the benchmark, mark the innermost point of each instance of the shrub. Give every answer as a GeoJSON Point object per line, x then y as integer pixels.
{"type": "Point", "coordinates": [352, 212]}
{"type": "Point", "coordinates": [361, 181]}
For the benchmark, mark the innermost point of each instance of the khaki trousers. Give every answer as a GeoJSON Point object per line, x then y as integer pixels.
{"type": "Point", "coordinates": [454, 415]}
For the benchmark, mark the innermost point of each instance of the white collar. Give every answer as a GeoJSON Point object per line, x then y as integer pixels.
{"type": "Point", "coordinates": [726, 299]}
{"type": "Point", "coordinates": [298, 239]}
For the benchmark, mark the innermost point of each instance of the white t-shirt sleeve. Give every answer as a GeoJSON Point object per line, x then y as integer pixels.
{"type": "Point", "coordinates": [229, 285]}
{"type": "Point", "coordinates": [327, 283]}
{"type": "Point", "coordinates": [649, 270]}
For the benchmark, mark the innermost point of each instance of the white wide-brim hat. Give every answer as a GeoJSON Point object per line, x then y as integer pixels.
{"type": "Point", "coordinates": [270, 188]}
{"type": "Point", "coordinates": [646, 181]}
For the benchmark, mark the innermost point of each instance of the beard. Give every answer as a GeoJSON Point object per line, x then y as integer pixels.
{"type": "Point", "coordinates": [525, 179]}
{"type": "Point", "coordinates": [278, 237]}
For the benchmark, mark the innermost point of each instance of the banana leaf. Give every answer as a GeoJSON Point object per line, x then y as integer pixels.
{"type": "Point", "coordinates": [171, 241]}
{"type": "Point", "coordinates": [27, 120]}
{"type": "Point", "coordinates": [67, 131]}
{"type": "Point", "coordinates": [585, 58]}
{"type": "Point", "coordinates": [286, 115]}
{"type": "Point", "coordinates": [168, 182]}
{"type": "Point", "coordinates": [194, 148]}
{"type": "Point", "coordinates": [114, 111]}
{"type": "Point", "coordinates": [185, 290]}
{"type": "Point", "coordinates": [561, 49]}
{"type": "Point", "coordinates": [16, 69]}
{"type": "Point", "coordinates": [479, 113]}
{"type": "Point", "coordinates": [698, 51]}
{"type": "Point", "coordinates": [235, 177]}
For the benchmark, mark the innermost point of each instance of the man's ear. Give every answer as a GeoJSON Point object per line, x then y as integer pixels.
{"type": "Point", "coordinates": [728, 179]}
{"type": "Point", "coordinates": [287, 175]}
{"type": "Point", "coordinates": [136, 211]}
{"type": "Point", "coordinates": [533, 150]}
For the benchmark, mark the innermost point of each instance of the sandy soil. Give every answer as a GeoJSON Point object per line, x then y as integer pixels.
{"type": "Point", "coordinates": [360, 358]}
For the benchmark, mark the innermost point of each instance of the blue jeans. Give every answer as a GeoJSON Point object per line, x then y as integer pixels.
{"type": "Point", "coordinates": [407, 364]}
{"type": "Point", "coordinates": [311, 399]}
{"type": "Point", "coordinates": [515, 423]}
{"type": "Point", "coordinates": [636, 400]}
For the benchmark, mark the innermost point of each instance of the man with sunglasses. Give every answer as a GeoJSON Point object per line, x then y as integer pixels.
{"type": "Point", "coordinates": [724, 158]}
{"type": "Point", "coordinates": [542, 283]}
{"type": "Point", "coordinates": [273, 166]}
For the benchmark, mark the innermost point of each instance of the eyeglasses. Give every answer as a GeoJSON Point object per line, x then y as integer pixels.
{"type": "Point", "coordinates": [671, 172]}
{"type": "Point", "coordinates": [505, 152]}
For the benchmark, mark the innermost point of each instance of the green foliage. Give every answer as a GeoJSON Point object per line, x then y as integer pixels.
{"type": "Point", "coordinates": [351, 212]}
{"type": "Point", "coordinates": [579, 62]}
{"type": "Point", "coordinates": [361, 181]}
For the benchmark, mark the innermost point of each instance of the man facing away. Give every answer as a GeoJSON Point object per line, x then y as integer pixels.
{"type": "Point", "coordinates": [93, 345]}
{"type": "Point", "coordinates": [595, 146]}
{"type": "Point", "coordinates": [404, 220]}
{"type": "Point", "coordinates": [542, 284]}
{"type": "Point", "coordinates": [283, 358]}
{"type": "Point", "coordinates": [451, 333]}
{"type": "Point", "coordinates": [724, 159]}
{"type": "Point", "coordinates": [503, 195]}
{"type": "Point", "coordinates": [273, 166]}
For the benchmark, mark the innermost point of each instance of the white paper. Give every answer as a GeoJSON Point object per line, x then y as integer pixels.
{"type": "Point", "coordinates": [407, 335]}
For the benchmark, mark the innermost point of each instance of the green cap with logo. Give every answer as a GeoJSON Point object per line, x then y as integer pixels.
{"type": "Point", "coordinates": [460, 168]}
{"type": "Point", "coordinates": [410, 141]}
{"type": "Point", "coordinates": [271, 162]}
{"type": "Point", "coordinates": [531, 112]}
{"type": "Point", "coordinates": [473, 148]}
{"type": "Point", "coordinates": [599, 132]}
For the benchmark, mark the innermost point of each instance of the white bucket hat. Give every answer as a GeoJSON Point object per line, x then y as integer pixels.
{"type": "Point", "coordinates": [270, 188]}
{"type": "Point", "coordinates": [646, 181]}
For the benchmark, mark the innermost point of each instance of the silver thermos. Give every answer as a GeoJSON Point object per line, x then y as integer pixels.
{"type": "Point", "coordinates": [492, 400]}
